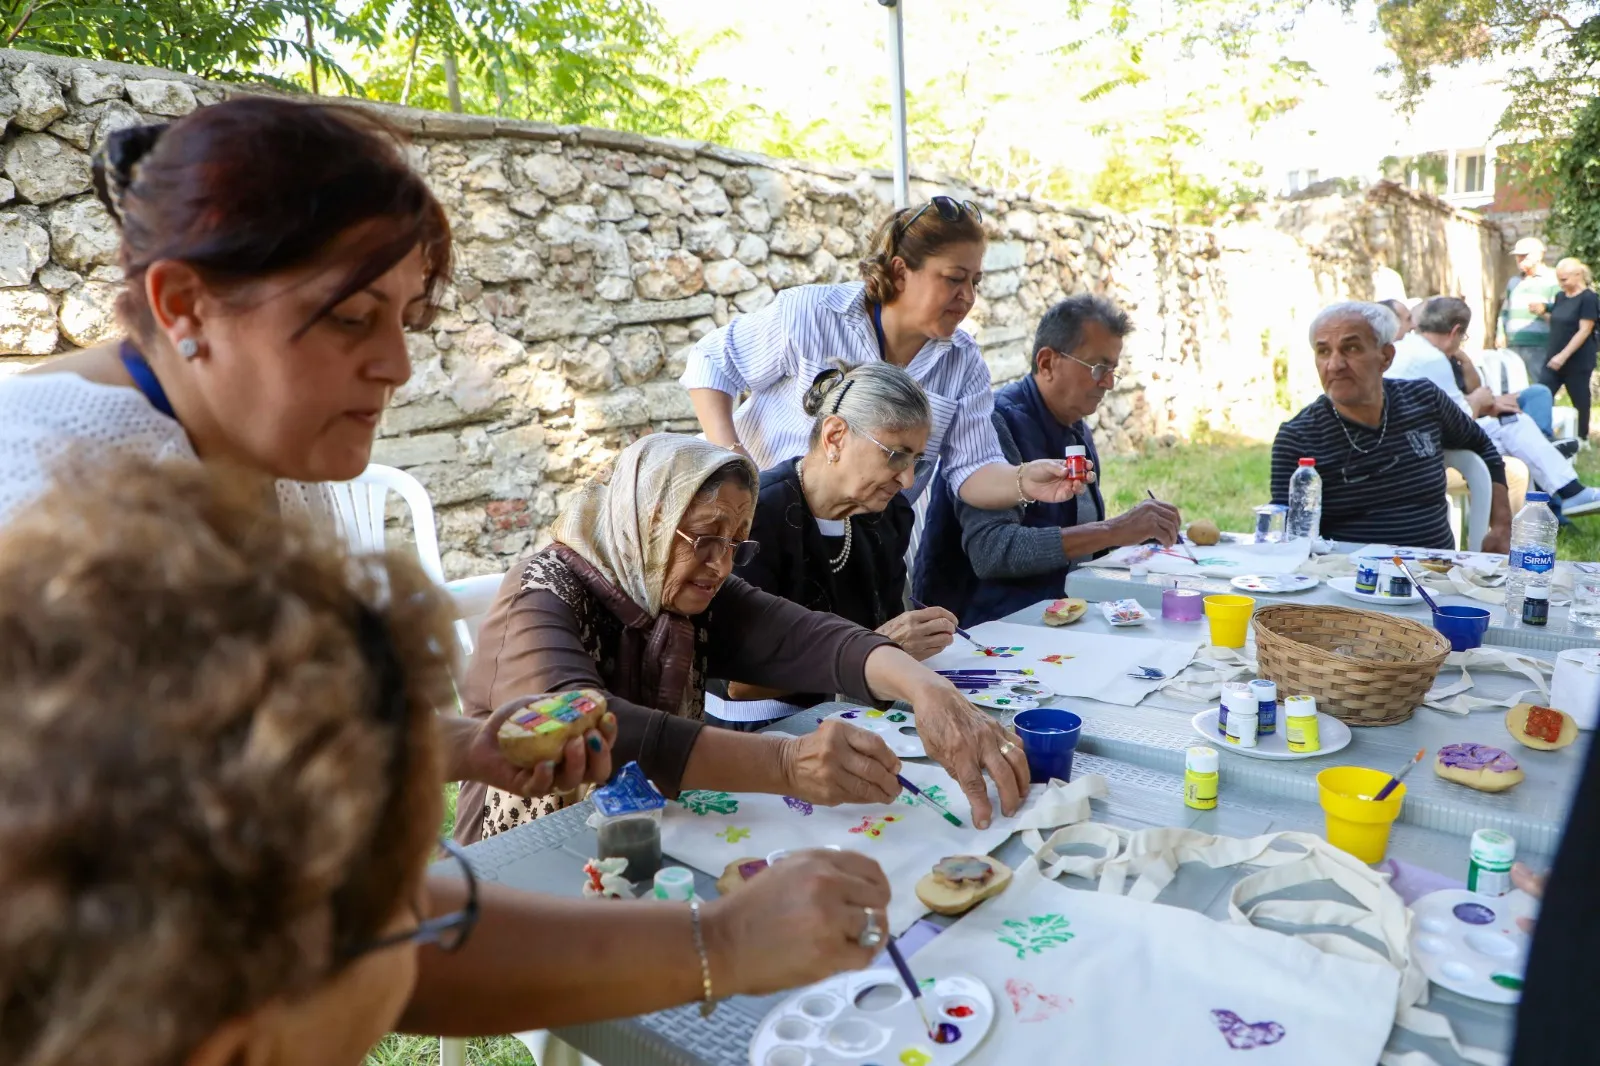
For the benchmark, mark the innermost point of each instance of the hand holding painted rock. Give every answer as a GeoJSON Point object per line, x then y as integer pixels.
{"type": "Point", "coordinates": [795, 923]}
{"type": "Point", "coordinates": [840, 764]}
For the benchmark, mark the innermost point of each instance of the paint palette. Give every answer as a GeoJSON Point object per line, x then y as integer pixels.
{"type": "Point", "coordinates": [1470, 944]}
{"type": "Point", "coordinates": [868, 1018]}
{"type": "Point", "coordinates": [1347, 586]}
{"type": "Point", "coordinates": [1018, 696]}
{"type": "Point", "coordinates": [1334, 734]}
{"type": "Point", "coordinates": [1274, 583]}
{"type": "Point", "coordinates": [897, 728]}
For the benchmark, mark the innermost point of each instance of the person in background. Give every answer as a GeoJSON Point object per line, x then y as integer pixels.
{"type": "Point", "coordinates": [237, 871]}
{"type": "Point", "coordinates": [834, 525]}
{"type": "Point", "coordinates": [1433, 353]}
{"type": "Point", "coordinates": [1522, 325]}
{"type": "Point", "coordinates": [635, 597]}
{"type": "Point", "coordinates": [274, 256]}
{"type": "Point", "coordinates": [1379, 443]}
{"type": "Point", "coordinates": [1571, 354]}
{"type": "Point", "coordinates": [1402, 313]}
{"type": "Point", "coordinates": [919, 283]}
{"type": "Point", "coordinates": [984, 564]}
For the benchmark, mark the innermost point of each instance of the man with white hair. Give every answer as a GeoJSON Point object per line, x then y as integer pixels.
{"type": "Point", "coordinates": [1432, 352]}
{"type": "Point", "coordinates": [1528, 296]}
{"type": "Point", "coordinates": [1379, 443]}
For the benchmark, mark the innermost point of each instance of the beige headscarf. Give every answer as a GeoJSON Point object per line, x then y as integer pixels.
{"type": "Point", "coordinates": [624, 526]}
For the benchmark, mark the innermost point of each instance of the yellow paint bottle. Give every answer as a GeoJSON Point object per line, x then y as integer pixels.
{"type": "Point", "coordinates": [1300, 723]}
{"type": "Point", "coordinates": [1200, 778]}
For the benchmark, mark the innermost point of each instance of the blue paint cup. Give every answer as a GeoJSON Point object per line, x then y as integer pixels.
{"type": "Point", "coordinates": [1464, 627]}
{"type": "Point", "coordinates": [1049, 736]}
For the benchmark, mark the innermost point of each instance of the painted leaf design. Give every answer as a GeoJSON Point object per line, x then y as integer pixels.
{"type": "Point", "coordinates": [702, 802]}
{"type": "Point", "coordinates": [1035, 934]}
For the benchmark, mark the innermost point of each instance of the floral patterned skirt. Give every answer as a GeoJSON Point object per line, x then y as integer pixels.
{"type": "Point", "coordinates": [506, 810]}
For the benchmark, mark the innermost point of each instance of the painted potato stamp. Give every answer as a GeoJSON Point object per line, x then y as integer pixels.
{"type": "Point", "coordinates": [1242, 1035]}
{"type": "Point", "coordinates": [1036, 934]}
{"type": "Point", "coordinates": [701, 802]}
{"type": "Point", "coordinates": [733, 834]}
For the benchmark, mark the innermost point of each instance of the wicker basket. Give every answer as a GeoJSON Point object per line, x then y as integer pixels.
{"type": "Point", "coordinates": [1364, 668]}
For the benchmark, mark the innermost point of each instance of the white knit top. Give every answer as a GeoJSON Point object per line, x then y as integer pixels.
{"type": "Point", "coordinates": [46, 417]}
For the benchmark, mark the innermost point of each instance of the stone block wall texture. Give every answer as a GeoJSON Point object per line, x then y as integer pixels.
{"type": "Point", "coordinates": [590, 260]}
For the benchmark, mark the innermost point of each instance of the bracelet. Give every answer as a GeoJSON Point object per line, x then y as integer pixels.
{"type": "Point", "coordinates": [707, 1002]}
{"type": "Point", "coordinates": [1023, 499]}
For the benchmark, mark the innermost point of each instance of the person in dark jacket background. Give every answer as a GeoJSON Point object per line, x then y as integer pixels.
{"type": "Point", "coordinates": [983, 565]}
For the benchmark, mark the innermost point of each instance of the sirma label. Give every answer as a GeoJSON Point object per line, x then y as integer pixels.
{"type": "Point", "coordinates": [1537, 560]}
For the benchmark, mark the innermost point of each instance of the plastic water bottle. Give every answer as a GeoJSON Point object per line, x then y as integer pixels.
{"type": "Point", "coordinates": [1305, 502]}
{"type": "Point", "coordinates": [1533, 551]}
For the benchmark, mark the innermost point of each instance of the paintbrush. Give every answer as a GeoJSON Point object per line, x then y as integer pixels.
{"type": "Point", "coordinates": [979, 671]}
{"type": "Point", "coordinates": [1181, 544]}
{"type": "Point", "coordinates": [899, 961]}
{"type": "Point", "coordinates": [1401, 563]}
{"type": "Point", "coordinates": [930, 801]}
{"type": "Point", "coordinates": [918, 605]}
{"type": "Point", "coordinates": [1394, 782]}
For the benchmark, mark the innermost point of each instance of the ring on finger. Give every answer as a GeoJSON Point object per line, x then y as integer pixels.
{"type": "Point", "coordinates": [871, 934]}
{"type": "Point", "coordinates": [1007, 748]}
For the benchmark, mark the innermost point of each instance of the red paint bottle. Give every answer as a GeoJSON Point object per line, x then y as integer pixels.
{"type": "Point", "coordinates": [1077, 457]}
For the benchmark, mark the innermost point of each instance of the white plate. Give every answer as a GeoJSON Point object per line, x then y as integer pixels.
{"type": "Point", "coordinates": [823, 1025]}
{"type": "Point", "coordinates": [1463, 941]}
{"type": "Point", "coordinates": [1347, 585]}
{"type": "Point", "coordinates": [1335, 736]}
{"type": "Point", "coordinates": [1271, 583]}
{"type": "Point", "coordinates": [897, 728]}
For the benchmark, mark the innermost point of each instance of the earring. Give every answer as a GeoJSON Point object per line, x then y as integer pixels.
{"type": "Point", "coordinates": [188, 347]}
{"type": "Point", "coordinates": [832, 459]}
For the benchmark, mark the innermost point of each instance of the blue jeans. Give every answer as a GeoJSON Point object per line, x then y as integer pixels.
{"type": "Point", "coordinates": [1537, 402]}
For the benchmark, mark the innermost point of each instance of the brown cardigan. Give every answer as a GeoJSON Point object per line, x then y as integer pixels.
{"type": "Point", "coordinates": [530, 644]}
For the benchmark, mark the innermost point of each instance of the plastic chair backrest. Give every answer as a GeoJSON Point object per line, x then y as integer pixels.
{"type": "Point", "coordinates": [1480, 492]}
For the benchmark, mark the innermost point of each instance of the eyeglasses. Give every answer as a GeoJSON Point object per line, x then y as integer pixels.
{"type": "Point", "coordinates": [899, 461]}
{"type": "Point", "coordinates": [950, 209]}
{"type": "Point", "coordinates": [1394, 461]}
{"type": "Point", "coordinates": [447, 932]}
{"type": "Point", "coordinates": [1098, 371]}
{"type": "Point", "coordinates": [709, 550]}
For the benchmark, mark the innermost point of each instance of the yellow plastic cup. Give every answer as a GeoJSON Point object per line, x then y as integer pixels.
{"type": "Point", "coordinates": [1230, 619]}
{"type": "Point", "coordinates": [1356, 824]}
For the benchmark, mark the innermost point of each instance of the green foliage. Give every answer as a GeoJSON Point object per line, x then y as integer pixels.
{"type": "Point", "coordinates": [1575, 213]}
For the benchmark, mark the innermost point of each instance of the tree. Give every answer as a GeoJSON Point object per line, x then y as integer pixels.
{"type": "Point", "coordinates": [1575, 213]}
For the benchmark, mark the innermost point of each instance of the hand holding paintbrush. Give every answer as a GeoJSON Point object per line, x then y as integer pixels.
{"type": "Point", "coordinates": [1177, 537]}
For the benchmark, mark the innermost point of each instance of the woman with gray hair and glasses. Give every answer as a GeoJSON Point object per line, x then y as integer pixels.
{"type": "Point", "coordinates": [834, 525]}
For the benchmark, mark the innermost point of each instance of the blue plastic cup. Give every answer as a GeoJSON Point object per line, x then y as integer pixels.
{"type": "Point", "coordinates": [1049, 736]}
{"type": "Point", "coordinates": [1464, 627]}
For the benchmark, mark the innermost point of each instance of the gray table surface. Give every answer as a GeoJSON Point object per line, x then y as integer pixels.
{"type": "Point", "coordinates": [1156, 731]}
{"type": "Point", "coordinates": [548, 855]}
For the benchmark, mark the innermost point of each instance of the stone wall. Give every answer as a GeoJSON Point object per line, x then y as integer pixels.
{"type": "Point", "coordinates": [588, 262]}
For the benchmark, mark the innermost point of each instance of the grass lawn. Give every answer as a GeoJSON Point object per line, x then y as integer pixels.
{"type": "Point", "coordinates": [1225, 480]}
{"type": "Point", "coordinates": [1222, 480]}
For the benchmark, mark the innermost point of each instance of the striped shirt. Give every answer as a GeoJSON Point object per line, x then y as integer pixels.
{"type": "Point", "coordinates": [1519, 325]}
{"type": "Point", "coordinates": [775, 353]}
{"type": "Point", "coordinates": [1383, 485]}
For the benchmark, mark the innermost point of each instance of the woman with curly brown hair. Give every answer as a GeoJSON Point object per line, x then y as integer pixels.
{"type": "Point", "coordinates": [219, 789]}
{"type": "Point", "coordinates": [918, 284]}
{"type": "Point", "coordinates": [275, 254]}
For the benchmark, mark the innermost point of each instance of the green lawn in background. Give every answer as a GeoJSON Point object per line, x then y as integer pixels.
{"type": "Point", "coordinates": [1226, 479]}
{"type": "Point", "coordinates": [1222, 480]}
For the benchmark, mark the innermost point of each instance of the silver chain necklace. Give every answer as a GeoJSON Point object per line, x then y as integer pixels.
{"type": "Point", "coordinates": [1383, 429]}
{"type": "Point", "coordinates": [835, 564]}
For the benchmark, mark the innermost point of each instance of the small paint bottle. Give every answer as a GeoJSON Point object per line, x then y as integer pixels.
{"type": "Point", "coordinates": [1489, 871]}
{"type": "Point", "coordinates": [1266, 694]}
{"type": "Point", "coordinates": [674, 884]}
{"type": "Point", "coordinates": [1536, 606]}
{"type": "Point", "coordinates": [1242, 726]}
{"type": "Point", "coordinates": [1300, 723]}
{"type": "Point", "coordinates": [1200, 778]}
{"type": "Point", "coordinates": [1367, 577]}
{"type": "Point", "coordinates": [1392, 581]}
{"type": "Point", "coordinates": [1077, 460]}
{"type": "Point", "coordinates": [1235, 694]}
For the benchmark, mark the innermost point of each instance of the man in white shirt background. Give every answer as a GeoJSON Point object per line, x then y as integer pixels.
{"type": "Point", "coordinates": [1432, 351]}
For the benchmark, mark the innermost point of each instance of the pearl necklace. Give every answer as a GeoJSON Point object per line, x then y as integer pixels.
{"type": "Point", "coordinates": [835, 564]}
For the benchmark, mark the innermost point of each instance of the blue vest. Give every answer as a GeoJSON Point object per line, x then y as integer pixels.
{"type": "Point", "coordinates": [944, 576]}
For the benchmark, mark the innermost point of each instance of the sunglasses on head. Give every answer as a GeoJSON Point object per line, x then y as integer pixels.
{"type": "Point", "coordinates": [950, 209]}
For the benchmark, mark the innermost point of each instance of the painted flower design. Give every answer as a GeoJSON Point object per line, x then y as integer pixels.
{"type": "Point", "coordinates": [733, 834]}
{"type": "Point", "coordinates": [800, 805]}
{"type": "Point", "coordinates": [701, 802]}
{"type": "Point", "coordinates": [1035, 934]}
{"type": "Point", "coordinates": [872, 828]}
{"type": "Point", "coordinates": [933, 792]}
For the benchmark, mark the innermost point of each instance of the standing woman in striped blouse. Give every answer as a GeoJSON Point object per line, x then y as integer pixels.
{"type": "Point", "coordinates": [918, 284]}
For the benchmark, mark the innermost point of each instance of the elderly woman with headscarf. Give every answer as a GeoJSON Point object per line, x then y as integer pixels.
{"type": "Point", "coordinates": [635, 597]}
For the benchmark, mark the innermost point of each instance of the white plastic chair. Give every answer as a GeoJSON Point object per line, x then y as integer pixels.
{"type": "Point", "coordinates": [1480, 492]}
{"type": "Point", "coordinates": [1564, 421]}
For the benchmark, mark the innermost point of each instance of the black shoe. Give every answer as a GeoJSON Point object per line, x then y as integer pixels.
{"type": "Point", "coordinates": [1568, 446]}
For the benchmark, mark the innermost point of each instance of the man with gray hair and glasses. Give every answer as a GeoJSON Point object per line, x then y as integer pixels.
{"type": "Point", "coordinates": [1379, 443]}
{"type": "Point", "coordinates": [982, 565]}
{"type": "Point", "coordinates": [1433, 353]}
